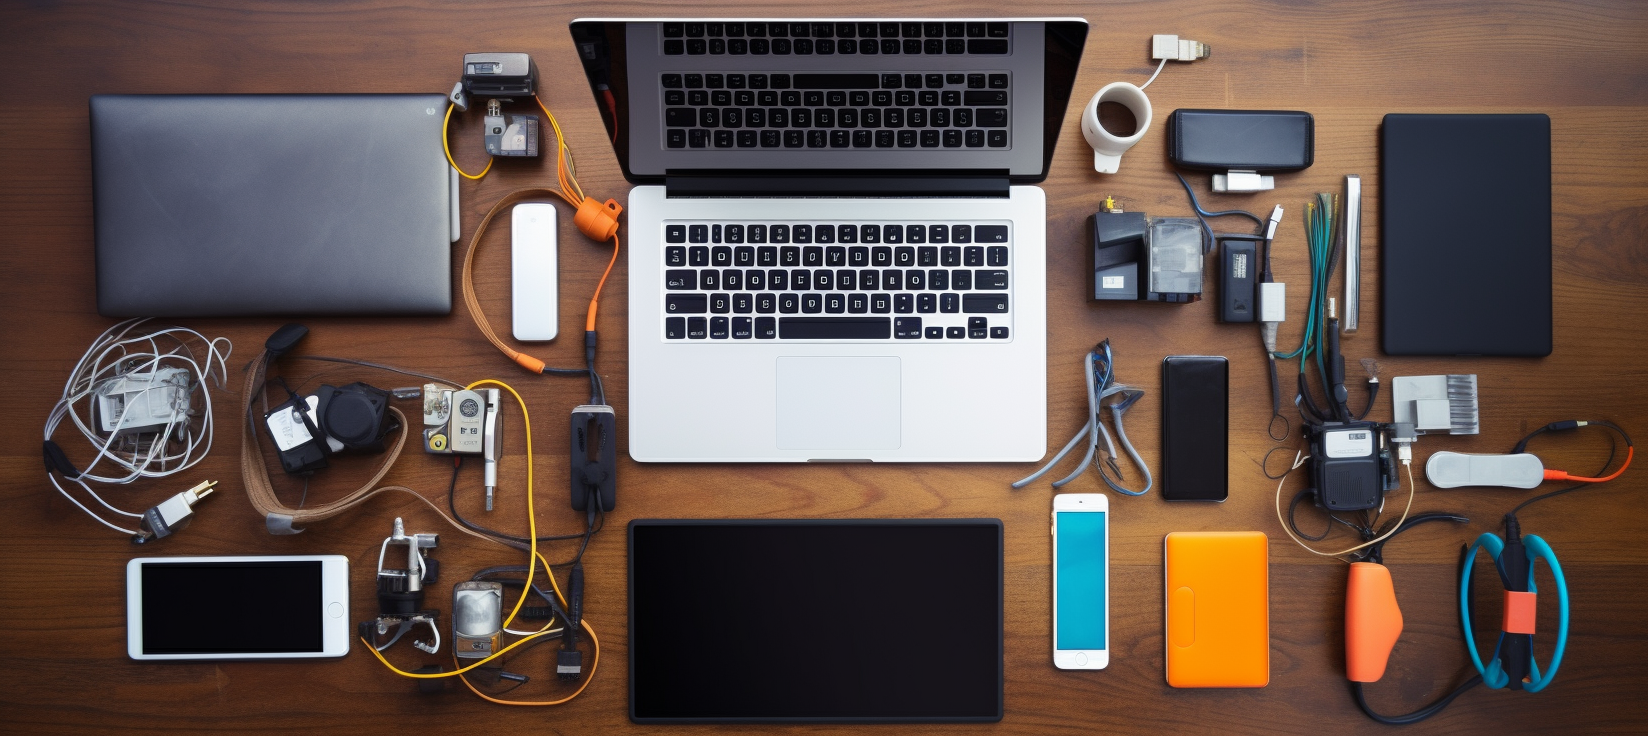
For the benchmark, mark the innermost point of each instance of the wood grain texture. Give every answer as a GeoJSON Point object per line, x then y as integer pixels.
{"type": "Point", "coordinates": [1584, 63]}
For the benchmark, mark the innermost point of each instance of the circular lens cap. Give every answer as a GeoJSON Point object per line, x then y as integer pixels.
{"type": "Point", "coordinates": [352, 419]}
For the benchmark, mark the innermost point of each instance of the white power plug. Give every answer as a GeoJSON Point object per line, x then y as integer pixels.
{"type": "Point", "coordinates": [1171, 48]}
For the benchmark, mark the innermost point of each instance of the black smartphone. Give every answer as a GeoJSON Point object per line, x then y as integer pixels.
{"type": "Point", "coordinates": [1195, 428]}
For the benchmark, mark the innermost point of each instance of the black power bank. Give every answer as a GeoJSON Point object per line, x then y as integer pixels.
{"type": "Point", "coordinates": [1195, 428]}
{"type": "Point", "coordinates": [1259, 140]}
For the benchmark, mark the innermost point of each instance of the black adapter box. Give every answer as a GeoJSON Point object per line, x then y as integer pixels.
{"type": "Point", "coordinates": [1118, 254]}
{"type": "Point", "coordinates": [1238, 290]}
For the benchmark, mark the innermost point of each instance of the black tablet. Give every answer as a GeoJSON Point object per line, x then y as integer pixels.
{"type": "Point", "coordinates": [1465, 234]}
{"type": "Point", "coordinates": [860, 621]}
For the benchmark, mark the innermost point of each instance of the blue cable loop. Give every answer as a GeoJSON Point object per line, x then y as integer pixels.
{"type": "Point", "coordinates": [1493, 673]}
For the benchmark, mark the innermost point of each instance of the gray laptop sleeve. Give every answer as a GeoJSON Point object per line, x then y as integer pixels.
{"type": "Point", "coordinates": [224, 205]}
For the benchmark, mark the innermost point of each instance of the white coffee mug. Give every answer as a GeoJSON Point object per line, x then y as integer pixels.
{"type": "Point", "coordinates": [1107, 148]}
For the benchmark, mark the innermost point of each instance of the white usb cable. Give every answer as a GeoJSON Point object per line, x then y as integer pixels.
{"type": "Point", "coordinates": [141, 402]}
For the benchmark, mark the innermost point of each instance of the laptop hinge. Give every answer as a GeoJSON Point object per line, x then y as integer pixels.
{"type": "Point", "coordinates": [813, 185]}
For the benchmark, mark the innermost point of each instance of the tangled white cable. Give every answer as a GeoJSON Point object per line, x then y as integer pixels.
{"type": "Point", "coordinates": [142, 403]}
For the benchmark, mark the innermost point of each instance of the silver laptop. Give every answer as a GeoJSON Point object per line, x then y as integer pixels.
{"type": "Point", "coordinates": [221, 205]}
{"type": "Point", "coordinates": [836, 253]}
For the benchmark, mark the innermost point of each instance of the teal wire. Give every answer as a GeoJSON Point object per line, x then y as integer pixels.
{"type": "Point", "coordinates": [1319, 238]}
{"type": "Point", "coordinates": [1324, 250]}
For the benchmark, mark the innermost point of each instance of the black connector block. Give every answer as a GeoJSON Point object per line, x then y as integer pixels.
{"type": "Point", "coordinates": [569, 664]}
{"type": "Point", "coordinates": [594, 456]}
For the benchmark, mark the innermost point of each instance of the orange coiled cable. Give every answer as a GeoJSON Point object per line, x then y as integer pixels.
{"type": "Point", "coordinates": [596, 220]}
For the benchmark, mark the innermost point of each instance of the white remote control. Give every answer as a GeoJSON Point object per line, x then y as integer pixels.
{"type": "Point", "coordinates": [1456, 469]}
{"type": "Point", "coordinates": [534, 280]}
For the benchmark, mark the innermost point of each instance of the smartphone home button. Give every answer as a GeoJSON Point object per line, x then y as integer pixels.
{"type": "Point", "coordinates": [1081, 659]}
{"type": "Point", "coordinates": [335, 610]}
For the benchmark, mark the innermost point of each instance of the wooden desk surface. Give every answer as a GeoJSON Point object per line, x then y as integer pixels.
{"type": "Point", "coordinates": [1583, 63]}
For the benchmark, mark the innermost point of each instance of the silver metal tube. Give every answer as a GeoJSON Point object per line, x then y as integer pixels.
{"type": "Point", "coordinates": [1353, 254]}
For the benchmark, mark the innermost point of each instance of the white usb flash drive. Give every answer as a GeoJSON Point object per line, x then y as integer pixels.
{"type": "Point", "coordinates": [534, 287]}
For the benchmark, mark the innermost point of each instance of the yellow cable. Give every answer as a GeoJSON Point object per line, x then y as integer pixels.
{"type": "Point", "coordinates": [532, 526]}
{"type": "Point", "coordinates": [1298, 460]}
{"type": "Point", "coordinates": [445, 124]}
{"type": "Point", "coordinates": [594, 662]}
{"type": "Point", "coordinates": [531, 508]}
{"type": "Point", "coordinates": [565, 171]}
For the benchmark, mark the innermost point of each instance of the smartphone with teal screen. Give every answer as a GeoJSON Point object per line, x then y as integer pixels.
{"type": "Point", "coordinates": [1081, 581]}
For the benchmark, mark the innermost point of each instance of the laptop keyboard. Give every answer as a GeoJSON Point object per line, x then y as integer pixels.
{"type": "Point", "coordinates": [835, 110]}
{"type": "Point", "coordinates": [837, 281]}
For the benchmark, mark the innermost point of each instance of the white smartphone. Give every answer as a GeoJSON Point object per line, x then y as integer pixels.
{"type": "Point", "coordinates": [1081, 581]}
{"type": "Point", "coordinates": [534, 282]}
{"type": "Point", "coordinates": [286, 607]}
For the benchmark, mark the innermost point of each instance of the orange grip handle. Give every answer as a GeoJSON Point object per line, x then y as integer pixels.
{"type": "Point", "coordinates": [1373, 622]}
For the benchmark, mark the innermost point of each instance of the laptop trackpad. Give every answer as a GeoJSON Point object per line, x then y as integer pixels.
{"type": "Point", "coordinates": [838, 403]}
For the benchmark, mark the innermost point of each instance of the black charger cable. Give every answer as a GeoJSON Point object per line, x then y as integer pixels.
{"type": "Point", "coordinates": [1376, 554]}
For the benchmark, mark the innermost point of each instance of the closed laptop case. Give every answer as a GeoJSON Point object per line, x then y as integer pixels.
{"type": "Point", "coordinates": [226, 205]}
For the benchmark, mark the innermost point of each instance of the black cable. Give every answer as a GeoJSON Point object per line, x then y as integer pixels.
{"type": "Point", "coordinates": [1373, 395]}
{"type": "Point", "coordinates": [1264, 464]}
{"type": "Point", "coordinates": [1202, 215]}
{"type": "Point", "coordinates": [597, 389]}
{"type": "Point", "coordinates": [594, 519]}
{"type": "Point", "coordinates": [1322, 357]}
{"type": "Point", "coordinates": [1376, 553]}
{"type": "Point", "coordinates": [1613, 448]}
{"type": "Point", "coordinates": [1363, 531]}
{"type": "Point", "coordinates": [1317, 415]}
{"type": "Point", "coordinates": [521, 543]}
{"type": "Point", "coordinates": [1338, 235]}
{"type": "Point", "coordinates": [487, 574]}
{"type": "Point", "coordinates": [1334, 382]}
{"type": "Point", "coordinates": [379, 366]}
{"type": "Point", "coordinates": [1276, 402]}
{"type": "Point", "coordinates": [1571, 424]}
{"type": "Point", "coordinates": [1294, 505]}
{"type": "Point", "coordinates": [1418, 715]}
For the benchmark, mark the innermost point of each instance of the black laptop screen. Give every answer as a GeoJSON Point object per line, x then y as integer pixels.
{"type": "Point", "coordinates": [868, 621]}
{"type": "Point", "coordinates": [695, 97]}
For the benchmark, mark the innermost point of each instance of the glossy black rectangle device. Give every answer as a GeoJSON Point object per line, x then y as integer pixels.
{"type": "Point", "coordinates": [1195, 428]}
{"type": "Point", "coordinates": [1465, 235]}
{"type": "Point", "coordinates": [1251, 140]}
{"type": "Point", "coordinates": [232, 607]}
{"type": "Point", "coordinates": [867, 621]}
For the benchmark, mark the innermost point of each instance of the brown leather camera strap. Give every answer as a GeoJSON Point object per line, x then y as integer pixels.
{"type": "Point", "coordinates": [255, 472]}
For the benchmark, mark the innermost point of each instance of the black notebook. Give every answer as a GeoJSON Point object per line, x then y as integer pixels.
{"type": "Point", "coordinates": [1465, 221]}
